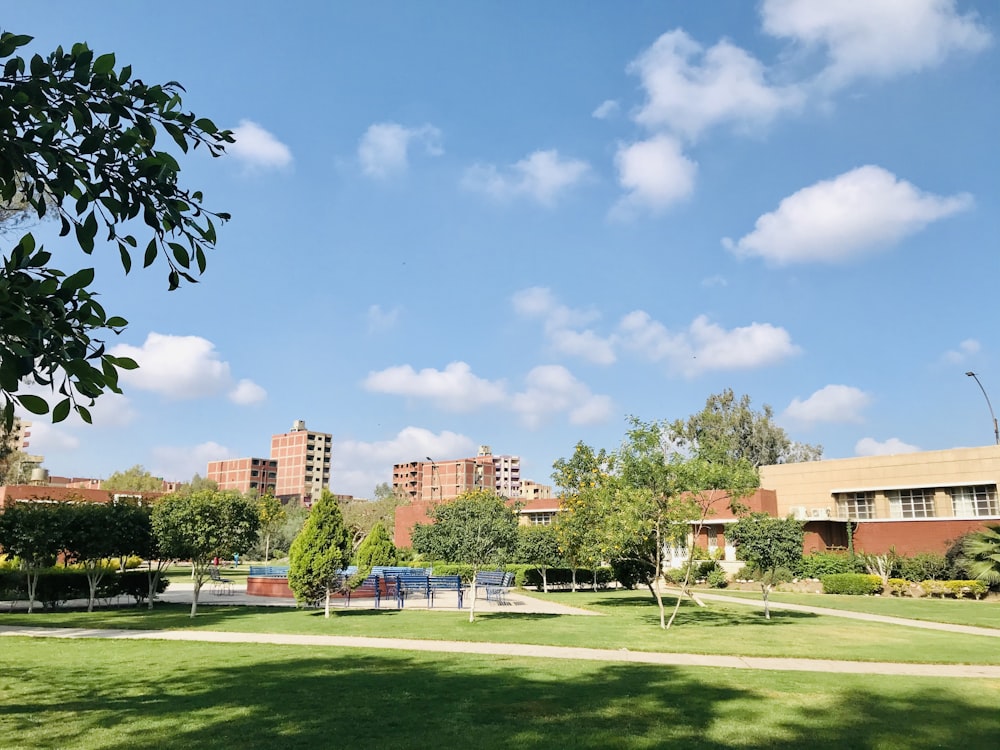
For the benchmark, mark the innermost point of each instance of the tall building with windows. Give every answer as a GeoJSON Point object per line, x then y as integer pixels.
{"type": "Point", "coordinates": [506, 472]}
{"type": "Point", "coordinates": [431, 480]}
{"type": "Point", "coordinates": [304, 459]}
{"type": "Point", "coordinates": [258, 476]}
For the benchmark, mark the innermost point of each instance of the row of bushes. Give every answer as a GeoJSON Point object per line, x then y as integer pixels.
{"type": "Point", "coordinates": [861, 584]}
{"type": "Point", "coordinates": [57, 586]}
{"type": "Point", "coordinates": [923, 566]}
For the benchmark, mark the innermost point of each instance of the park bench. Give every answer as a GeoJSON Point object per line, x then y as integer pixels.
{"type": "Point", "coordinates": [444, 583]}
{"type": "Point", "coordinates": [375, 587]}
{"type": "Point", "coordinates": [268, 571]}
{"type": "Point", "coordinates": [496, 583]}
{"type": "Point", "coordinates": [219, 584]}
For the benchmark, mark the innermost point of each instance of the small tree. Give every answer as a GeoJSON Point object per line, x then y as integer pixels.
{"type": "Point", "coordinates": [133, 479]}
{"type": "Point", "coordinates": [202, 526]}
{"type": "Point", "coordinates": [767, 543]}
{"type": "Point", "coordinates": [376, 549]}
{"type": "Point", "coordinates": [34, 533]}
{"type": "Point", "coordinates": [319, 553]}
{"type": "Point", "coordinates": [539, 546]}
{"type": "Point", "coordinates": [476, 528]}
{"type": "Point", "coordinates": [272, 517]}
{"type": "Point", "coordinates": [92, 540]}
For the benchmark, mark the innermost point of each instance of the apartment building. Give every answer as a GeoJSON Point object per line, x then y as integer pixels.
{"type": "Point", "coordinates": [506, 472]}
{"type": "Point", "coordinates": [304, 459]}
{"type": "Point", "coordinates": [257, 476]}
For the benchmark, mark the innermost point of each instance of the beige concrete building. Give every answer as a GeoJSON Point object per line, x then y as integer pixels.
{"type": "Point", "coordinates": [915, 502]}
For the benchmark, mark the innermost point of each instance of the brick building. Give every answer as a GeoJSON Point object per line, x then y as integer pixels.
{"type": "Point", "coordinates": [258, 476]}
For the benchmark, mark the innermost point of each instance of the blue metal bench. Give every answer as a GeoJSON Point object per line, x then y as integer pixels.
{"type": "Point", "coordinates": [496, 583]}
{"type": "Point", "coordinates": [445, 583]}
{"type": "Point", "coordinates": [376, 587]}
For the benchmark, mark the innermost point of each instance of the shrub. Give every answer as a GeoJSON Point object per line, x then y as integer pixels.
{"type": "Point", "coordinates": [857, 584]}
{"type": "Point", "coordinates": [899, 586]}
{"type": "Point", "coordinates": [705, 568]}
{"type": "Point", "coordinates": [717, 579]}
{"type": "Point", "coordinates": [564, 576]}
{"type": "Point", "coordinates": [629, 573]}
{"type": "Point", "coordinates": [956, 588]}
{"type": "Point", "coordinates": [747, 573]}
{"type": "Point", "coordinates": [924, 566]}
{"type": "Point", "coordinates": [819, 564]}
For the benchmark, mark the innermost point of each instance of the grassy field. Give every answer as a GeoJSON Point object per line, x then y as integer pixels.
{"type": "Point", "coordinates": [91, 695]}
{"type": "Point", "coordinates": [984, 614]}
{"type": "Point", "coordinates": [629, 621]}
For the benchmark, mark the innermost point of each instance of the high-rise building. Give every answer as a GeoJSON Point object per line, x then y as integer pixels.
{"type": "Point", "coordinates": [432, 480]}
{"type": "Point", "coordinates": [506, 472]}
{"type": "Point", "coordinates": [257, 476]}
{"type": "Point", "coordinates": [304, 459]}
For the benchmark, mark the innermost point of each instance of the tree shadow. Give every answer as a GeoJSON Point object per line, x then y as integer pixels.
{"type": "Point", "coordinates": [86, 694]}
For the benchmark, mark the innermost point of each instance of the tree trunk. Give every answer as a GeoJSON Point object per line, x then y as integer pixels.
{"type": "Point", "coordinates": [472, 608]}
{"type": "Point", "coordinates": [267, 546]}
{"type": "Point", "coordinates": [32, 581]}
{"type": "Point", "coordinates": [326, 606]}
{"type": "Point", "coordinates": [545, 582]}
{"type": "Point", "coordinates": [655, 588]}
{"type": "Point", "coordinates": [574, 579]}
{"type": "Point", "coordinates": [194, 598]}
{"type": "Point", "coordinates": [766, 591]}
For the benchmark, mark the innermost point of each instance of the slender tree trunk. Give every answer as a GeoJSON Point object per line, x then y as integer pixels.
{"type": "Point", "coordinates": [766, 591]}
{"type": "Point", "coordinates": [194, 598]}
{"type": "Point", "coordinates": [326, 606]}
{"type": "Point", "coordinates": [472, 608]}
{"type": "Point", "coordinates": [267, 546]}
{"type": "Point", "coordinates": [32, 581]}
{"type": "Point", "coordinates": [574, 578]}
{"type": "Point", "coordinates": [545, 582]}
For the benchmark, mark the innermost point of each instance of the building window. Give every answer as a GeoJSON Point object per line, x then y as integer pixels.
{"type": "Point", "coordinates": [541, 519]}
{"type": "Point", "coordinates": [914, 503]}
{"type": "Point", "coordinates": [713, 539]}
{"type": "Point", "coordinates": [975, 500]}
{"type": "Point", "coordinates": [857, 506]}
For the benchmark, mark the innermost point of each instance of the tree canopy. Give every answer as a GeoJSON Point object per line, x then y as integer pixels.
{"type": "Point", "coordinates": [729, 429]}
{"type": "Point", "coordinates": [80, 141]}
{"type": "Point", "coordinates": [133, 479]}
{"type": "Point", "coordinates": [767, 543]}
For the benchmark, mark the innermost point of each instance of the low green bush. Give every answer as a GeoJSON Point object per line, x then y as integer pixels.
{"type": "Point", "coordinates": [856, 584]}
{"type": "Point", "coordinates": [924, 566]}
{"type": "Point", "coordinates": [717, 579]}
{"type": "Point", "coordinates": [747, 573]}
{"type": "Point", "coordinates": [899, 587]}
{"type": "Point", "coordinates": [819, 564]}
{"type": "Point", "coordinates": [57, 586]}
{"type": "Point", "coordinates": [958, 589]}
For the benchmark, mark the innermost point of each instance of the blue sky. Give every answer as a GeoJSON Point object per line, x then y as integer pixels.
{"type": "Point", "coordinates": [517, 223]}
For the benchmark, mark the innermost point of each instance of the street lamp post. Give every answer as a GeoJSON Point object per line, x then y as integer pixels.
{"type": "Point", "coordinates": [996, 430]}
{"type": "Point", "coordinates": [433, 472]}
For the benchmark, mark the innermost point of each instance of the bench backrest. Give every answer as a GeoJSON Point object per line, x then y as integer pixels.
{"type": "Point", "coordinates": [391, 570]}
{"type": "Point", "coordinates": [269, 571]}
{"type": "Point", "coordinates": [450, 583]}
{"type": "Point", "coordinates": [494, 578]}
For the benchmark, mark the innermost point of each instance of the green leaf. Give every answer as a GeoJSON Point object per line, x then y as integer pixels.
{"type": "Point", "coordinates": [79, 280]}
{"type": "Point", "coordinates": [34, 404]}
{"type": "Point", "coordinates": [104, 64]}
{"type": "Point", "coordinates": [124, 363]}
{"type": "Point", "coordinates": [116, 322]}
{"type": "Point", "coordinates": [10, 42]}
{"type": "Point", "coordinates": [84, 414]}
{"type": "Point", "coordinates": [150, 255]}
{"type": "Point", "coordinates": [61, 411]}
{"type": "Point", "coordinates": [126, 258]}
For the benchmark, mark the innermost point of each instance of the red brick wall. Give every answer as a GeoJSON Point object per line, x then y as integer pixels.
{"type": "Point", "coordinates": [910, 537]}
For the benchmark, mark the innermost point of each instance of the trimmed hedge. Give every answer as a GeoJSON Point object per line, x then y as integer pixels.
{"type": "Point", "coordinates": [958, 589]}
{"type": "Point", "coordinates": [856, 584]}
{"type": "Point", "coordinates": [57, 586]}
{"type": "Point", "coordinates": [819, 564]}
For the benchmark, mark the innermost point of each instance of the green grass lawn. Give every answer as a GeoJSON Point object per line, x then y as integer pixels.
{"type": "Point", "coordinates": [629, 620]}
{"type": "Point", "coordinates": [90, 695]}
{"type": "Point", "coordinates": [984, 614]}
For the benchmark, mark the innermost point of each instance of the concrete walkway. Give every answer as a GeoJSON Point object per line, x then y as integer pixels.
{"type": "Point", "coordinates": [826, 666]}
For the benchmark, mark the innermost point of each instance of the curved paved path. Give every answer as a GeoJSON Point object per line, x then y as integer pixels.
{"type": "Point", "coordinates": [524, 650]}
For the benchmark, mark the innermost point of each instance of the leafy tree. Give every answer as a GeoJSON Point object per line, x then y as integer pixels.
{"type": "Point", "coordinates": [539, 546]}
{"type": "Point", "coordinates": [92, 540]}
{"type": "Point", "coordinates": [476, 528]}
{"type": "Point", "coordinates": [362, 515]}
{"type": "Point", "coordinates": [319, 553]}
{"type": "Point", "coordinates": [272, 517]}
{"type": "Point", "coordinates": [35, 534]}
{"type": "Point", "coordinates": [376, 549]}
{"type": "Point", "coordinates": [15, 468]}
{"type": "Point", "coordinates": [78, 141]}
{"type": "Point", "coordinates": [202, 526]}
{"type": "Point", "coordinates": [134, 479]}
{"type": "Point", "coordinates": [197, 484]}
{"type": "Point", "coordinates": [575, 524]}
{"type": "Point", "coordinates": [982, 551]}
{"type": "Point", "coordinates": [133, 527]}
{"type": "Point", "coordinates": [767, 543]}
{"type": "Point", "coordinates": [728, 429]}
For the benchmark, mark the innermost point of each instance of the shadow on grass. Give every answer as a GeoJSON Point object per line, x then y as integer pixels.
{"type": "Point", "coordinates": [86, 695]}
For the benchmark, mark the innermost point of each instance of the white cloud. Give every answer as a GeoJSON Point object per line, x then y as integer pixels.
{"type": "Point", "coordinates": [455, 388]}
{"type": "Point", "coordinates": [858, 212]}
{"type": "Point", "coordinates": [384, 148]}
{"type": "Point", "coordinates": [686, 95]}
{"type": "Point", "coordinates": [561, 324]}
{"type": "Point", "coordinates": [833, 403]}
{"type": "Point", "coordinates": [655, 174]}
{"type": "Point", "coordinates": [872, 447]}
{"type": "Point", "coordinates": [381, 320]}
{"type": "Point", "coordinates": [176, 463]}
{"type": "Point", "coordinates": [706, 346]}
{"type": "Point", "coordinates": [552, 389]}
{"type": "Point", "coordinates": [359, 466]}
{"type": "Point", "coordinates": [247, 392]}
{"type": "Point", "coordinates": [713, 281]}
{"type": "Point", "coordinates": [109, 410]}
{"type": "Point", "coordinates": [47, 439]}
{"type": "Point", "coordinates": [965, 350]}
{"type": "Point", "coordinates": [607, 108]}
{"type": "Point", "coordinates": [257, 147]}
{"type": "Point", "coordinates": [875, 38]}
{"type": "Point", "coordinates": [542, 176]}
{"type": "Point", "coordinates": [181, 367]}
